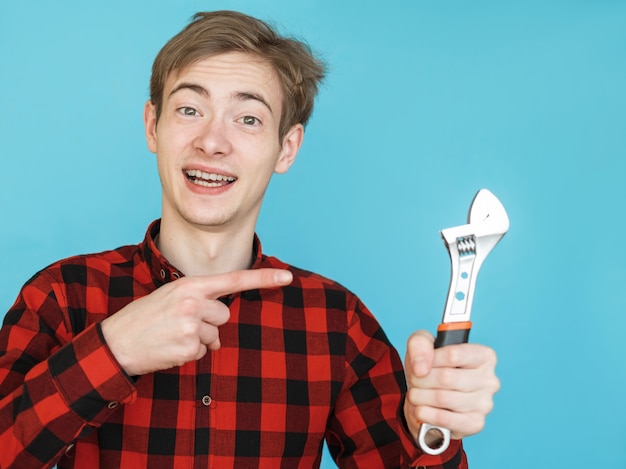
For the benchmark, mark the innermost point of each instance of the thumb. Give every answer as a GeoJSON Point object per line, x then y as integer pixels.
{"type": "Point", "coordinates": [420, 353]}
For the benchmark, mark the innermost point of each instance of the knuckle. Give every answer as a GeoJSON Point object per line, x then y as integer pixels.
{"type": "Point", "coordinates": [186, 353]}
{"type": "Point", "coordinates": [490, 356]}
{"type": "Point", "coordinates": [444, 418]}
{"type": "Point", "coordinates": [483, 406]}
{"type": "Point", "coordinates": [182, 284]}
{"type": "Point", "coordinates": [412, 396]}
{"type": "Point", "coordinates": [446, 378]}
{"type": "Point", "coordinates": [476, 424]}
{"type": "Point", "coordinates": [220, 313]}
{"type": "Point", "coordinates": [201, 352]}
{"type": "Point", "coordinates": [235, 279]}
{"type": "Point", "coordinates": [189, 306]}
{"type": "Point", "coordinates": [443, 399]}
{"type": "Point", "coordinates": [488, 407]}
{"type": "Point", "coordinates": [453, 355]}
{"type": "Point", "coordinates": [212, 333]}
{"type": "Point", "coordinates": [495, 384]}
{"type": "Point", "coordinates": [422, 414]}
{"type": "Point", "coordinates": [189, 329]}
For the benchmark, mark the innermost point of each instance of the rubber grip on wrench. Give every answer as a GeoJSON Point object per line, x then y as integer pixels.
{"type": "Point", "coordinates": [452, 333]}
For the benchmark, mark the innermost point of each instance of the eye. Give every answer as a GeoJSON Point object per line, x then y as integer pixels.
{"type": "Point", "coordinates": [250, 120]}
{"type": "Point", "coordinates": [188, 111]}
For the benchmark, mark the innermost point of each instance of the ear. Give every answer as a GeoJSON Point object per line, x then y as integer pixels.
{"type": "Point", "coordinates": [150, 122]}
{"type": "Point", "coordinates": [292, 141]}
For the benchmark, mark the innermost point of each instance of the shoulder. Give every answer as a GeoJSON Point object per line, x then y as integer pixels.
{"type": "Point", "coordinates": [306, 277]}
{"type": "Point", "coordinates": [79, 267]}
{"type": "Point", "coordinates": [315, 288]}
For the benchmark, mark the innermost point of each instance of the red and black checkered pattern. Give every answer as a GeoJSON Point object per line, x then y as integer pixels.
{"type": "Point", "coordinates": [298, 365]}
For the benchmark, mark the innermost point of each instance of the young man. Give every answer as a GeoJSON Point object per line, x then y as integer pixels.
{"type": "Point", "coordinates": [193, 348]}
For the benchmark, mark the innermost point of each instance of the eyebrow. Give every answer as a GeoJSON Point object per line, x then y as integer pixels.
{"type": "Point", "coordinates": [238, 95]}
{"type": "Point", "coordinates": [250, 96]}
{"type": "Point", "coordinates": [191, 86]}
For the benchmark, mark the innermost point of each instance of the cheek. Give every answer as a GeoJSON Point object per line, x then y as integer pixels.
{"type": "Point", "coordinates": [168, 146]}
{"type": "Point", "coordinates": [167, 162]}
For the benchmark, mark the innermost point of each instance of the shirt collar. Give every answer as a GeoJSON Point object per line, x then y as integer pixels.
{"type": "Point", "coordinates": [162, 271]}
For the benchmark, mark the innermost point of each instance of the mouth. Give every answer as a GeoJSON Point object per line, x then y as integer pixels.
{"type": "Point", "coordinates": [202, 178]}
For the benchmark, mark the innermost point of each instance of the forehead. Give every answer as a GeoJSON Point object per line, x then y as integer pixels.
{"type": "Point", "coordinates": [231, 71]}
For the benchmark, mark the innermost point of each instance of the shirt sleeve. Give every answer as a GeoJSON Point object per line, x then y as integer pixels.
{"type": "Point", "coordinates": [367, 427]}
{"type": "Point", "coordinates": [54, 386]}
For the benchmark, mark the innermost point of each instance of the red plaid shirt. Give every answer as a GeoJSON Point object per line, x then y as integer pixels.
{"type": "Point", "coordinates": [298, 365]}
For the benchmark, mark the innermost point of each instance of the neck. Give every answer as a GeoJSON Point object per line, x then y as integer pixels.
{"type": "Point", "coordinates": [201, 251]}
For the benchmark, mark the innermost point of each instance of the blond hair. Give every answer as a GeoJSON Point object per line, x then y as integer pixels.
{"type": "Point", "coordinates": [213, 33]}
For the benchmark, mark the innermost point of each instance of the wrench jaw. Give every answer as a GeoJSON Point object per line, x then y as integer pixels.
{"type": "Point", "coordinates": [468, 246]}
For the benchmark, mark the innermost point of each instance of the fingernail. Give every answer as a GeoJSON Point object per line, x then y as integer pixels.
{"type": "Point", "coordinates": [283, 276]}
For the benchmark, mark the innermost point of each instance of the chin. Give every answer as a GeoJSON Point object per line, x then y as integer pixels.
{"type": "Point", "coordinates": [208, 221]}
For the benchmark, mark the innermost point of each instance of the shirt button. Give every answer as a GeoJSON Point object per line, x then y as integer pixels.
{"type": "Point", "coordinates": [206, 400]}
{"type": "Point", "coordinates": [112, 405]}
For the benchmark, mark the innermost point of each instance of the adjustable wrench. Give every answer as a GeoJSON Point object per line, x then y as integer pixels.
{"type": "Point", "coordinates": [468, 246]}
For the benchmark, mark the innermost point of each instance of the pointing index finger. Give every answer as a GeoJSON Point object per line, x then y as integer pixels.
{"type": "Point", "coordinates": [243, 280]}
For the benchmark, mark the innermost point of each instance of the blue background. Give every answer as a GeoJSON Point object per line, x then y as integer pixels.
{"type": "Point", "coordinates": [425, 103]}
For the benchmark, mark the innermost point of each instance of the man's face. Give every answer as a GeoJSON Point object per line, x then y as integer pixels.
{"type": "Point", "coordinates": [217, 141]}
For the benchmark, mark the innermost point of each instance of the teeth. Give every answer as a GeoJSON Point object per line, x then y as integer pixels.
{"type": "Point", "coordinates": [208, 179]}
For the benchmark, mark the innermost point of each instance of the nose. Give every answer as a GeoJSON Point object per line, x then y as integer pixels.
{"type": "Point", "coordinates": [212, 138]}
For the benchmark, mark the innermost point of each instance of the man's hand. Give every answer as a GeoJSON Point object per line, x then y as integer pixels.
{"type": "Point", "coordinates": [450, 387]}
{"type": "Point", "coordinates": [179, 322]}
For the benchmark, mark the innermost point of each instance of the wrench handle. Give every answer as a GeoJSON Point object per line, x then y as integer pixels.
{"type": "Point", "coordinates": [452, 333]}
{"type": "Point", "coordinates": [447, 334]}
